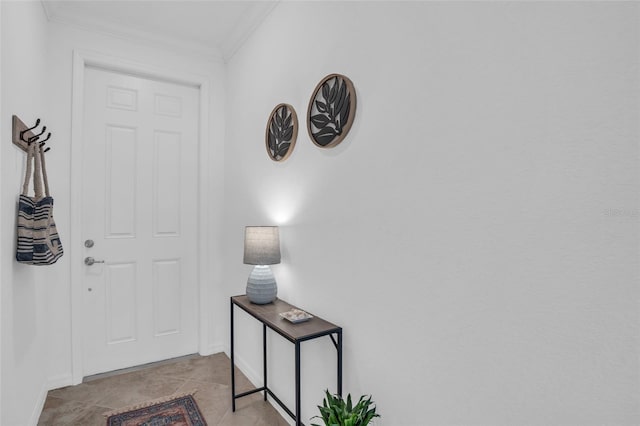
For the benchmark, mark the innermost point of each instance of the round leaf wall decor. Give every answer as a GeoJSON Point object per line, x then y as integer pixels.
{"type": "Point", "coordinates": [331, 110]}
{"type": "Point", "coordinates": [282, 131]}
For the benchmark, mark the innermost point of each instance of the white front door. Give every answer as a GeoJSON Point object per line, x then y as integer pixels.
{"type": "Point", "coordinates": [140, 216]}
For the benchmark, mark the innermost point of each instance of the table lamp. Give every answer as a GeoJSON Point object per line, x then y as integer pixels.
{"type": "Point", "coordinates": [261, 248]}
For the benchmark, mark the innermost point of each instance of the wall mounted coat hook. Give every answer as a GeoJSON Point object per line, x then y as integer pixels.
{"type": "Point", "coordinates": [28, 129]}
{"type": "Point", "coordinates": [23, 136]}
{"type": "Point", "coordinates": [36, 137]}
{"type": "Point", "coordinates": [42, 143]}
{"type": "Point", "coordinates": [44, 140]}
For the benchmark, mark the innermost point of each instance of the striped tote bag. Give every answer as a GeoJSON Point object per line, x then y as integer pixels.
{"type": "Point", "coordinates": [38, 240]}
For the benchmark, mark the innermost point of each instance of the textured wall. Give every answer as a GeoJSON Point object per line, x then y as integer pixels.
{"type": "Point", "coordinates": [476, 234]}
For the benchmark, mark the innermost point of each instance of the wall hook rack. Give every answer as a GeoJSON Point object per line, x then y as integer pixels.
{"type": "Point", "coordinates": [23, 135]}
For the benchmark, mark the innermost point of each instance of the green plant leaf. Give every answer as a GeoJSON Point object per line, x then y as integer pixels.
{"type": "Point", "coordinates": [336, 411]}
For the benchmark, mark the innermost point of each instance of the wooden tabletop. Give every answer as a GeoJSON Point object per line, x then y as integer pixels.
{"type": "Point", "coordinates": [270, 315]}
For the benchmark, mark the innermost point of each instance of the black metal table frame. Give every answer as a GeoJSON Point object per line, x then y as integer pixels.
{"type": "Point", "coordinates": [337, 342]}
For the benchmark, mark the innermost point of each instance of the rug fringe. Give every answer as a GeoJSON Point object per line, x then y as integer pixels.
{"type": "Point", "coordinates": [149, 403]}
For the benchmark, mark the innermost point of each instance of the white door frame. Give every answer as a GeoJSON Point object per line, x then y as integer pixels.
{"type": "Point", "coordinates": [82, 60]}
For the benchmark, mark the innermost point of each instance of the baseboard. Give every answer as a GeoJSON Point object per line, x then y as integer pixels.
{"type": "Point", "coordinates": [213, 349]}
{"type": "Point", "coordinates": [60, 381]}
{"type": "Point", "coordinates": [256, 379]}
{"type": "Point", "coordinates": [37, 409]}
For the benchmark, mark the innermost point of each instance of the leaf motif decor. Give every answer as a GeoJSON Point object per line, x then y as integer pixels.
{"type": "Point", "coordinates": [281, 132]}
{"type": "Point", "coordinates": [331, 111]}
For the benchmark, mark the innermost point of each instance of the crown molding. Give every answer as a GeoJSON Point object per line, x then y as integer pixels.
{"type": "Point", "coordinates": [175, 44]}
{"type": "Point", "coordinates": [49, 8]}
{"type": "Point", "coordinates": [241, 33]}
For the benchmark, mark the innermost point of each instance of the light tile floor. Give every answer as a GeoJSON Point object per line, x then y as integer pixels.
{"type": "Point", "coordinates": [86, 403]}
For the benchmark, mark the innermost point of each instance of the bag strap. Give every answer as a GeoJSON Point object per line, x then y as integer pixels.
{"type": "Point", "coordinates": [29, 170]}
{"type": "Point", "coordinates": [34, 155]}
{"type": "Point", "coordinates": [45, 180]}
{"type": "Point", "coordinates": [37, 174]}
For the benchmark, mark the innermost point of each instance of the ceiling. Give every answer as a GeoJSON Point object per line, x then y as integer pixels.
{"type": "Point", "coordinates": [216, 28]}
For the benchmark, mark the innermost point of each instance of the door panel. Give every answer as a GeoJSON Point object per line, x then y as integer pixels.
{"type": "Point", "coordinates": [166, 184]}
{"type": "Point", "coordinates": [120, 181]}
{"type": "Point", "coordinates": [166, 289]}
{"type": "Point", "coordinates": [120, 304]}
{"type": "Point", "coordinates": [140, 204]}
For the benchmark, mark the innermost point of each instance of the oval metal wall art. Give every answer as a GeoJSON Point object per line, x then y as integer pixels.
{"type": "Point", "coordinates": [331, 111]}
{"type": "Point", "coordinates": [282, 132]}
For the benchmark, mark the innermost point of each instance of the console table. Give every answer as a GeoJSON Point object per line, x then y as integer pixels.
{"type": "Point", "coordinates": [269, 316]}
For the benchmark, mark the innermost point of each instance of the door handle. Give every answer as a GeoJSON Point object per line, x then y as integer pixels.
{"type": "Point", "coordinates": [90, 261]}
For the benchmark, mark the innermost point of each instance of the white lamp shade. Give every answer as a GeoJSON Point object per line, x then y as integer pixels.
{"type": "Point", "coordinates": [261, 245]}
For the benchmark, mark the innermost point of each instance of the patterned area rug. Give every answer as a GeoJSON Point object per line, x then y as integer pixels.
{"type": "Point", "coordinates": [177, 411]}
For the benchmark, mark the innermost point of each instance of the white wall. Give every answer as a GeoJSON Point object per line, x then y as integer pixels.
{"type": "Point", "coordinates": [2, 227]}
{"type": "Point", "coordinates": [23, 288]}
{"type": "Point", "coordinates": [63, 41]}
{"type": "Point", "coordinates": [36, 302]}
{"type": "Point", "coordinates": [476, 234]}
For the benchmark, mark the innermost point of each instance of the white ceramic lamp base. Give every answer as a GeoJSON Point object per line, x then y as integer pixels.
{"type": "Point", "coordinates": [261, 285]}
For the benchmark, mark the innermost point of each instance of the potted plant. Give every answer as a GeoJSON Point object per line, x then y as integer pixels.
{"type": "Point", "coordinates": [336, 411]}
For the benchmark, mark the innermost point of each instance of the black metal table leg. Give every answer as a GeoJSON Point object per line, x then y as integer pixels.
{"type": "Point", "coordinates": [298, 421]}
{"type": "Point", "coordinates": [264, 358]}
{"type": "Point", "coordinates": [339, 350]}
{"type": "Point", "coordinates": [266, 314]}
{"type": "Point", "coordinates": [233, 372]}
